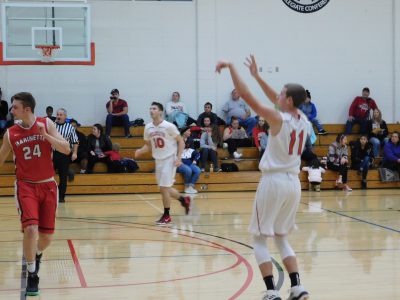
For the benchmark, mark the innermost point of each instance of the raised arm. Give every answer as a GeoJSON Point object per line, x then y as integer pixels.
{"type": "Point", "coordinates": [268, 91]}
{"type": "Point", "coordinates": [270, 115]}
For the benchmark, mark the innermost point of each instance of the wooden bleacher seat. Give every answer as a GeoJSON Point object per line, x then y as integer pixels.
{"type": "Point", "coordinates": [144, 180]}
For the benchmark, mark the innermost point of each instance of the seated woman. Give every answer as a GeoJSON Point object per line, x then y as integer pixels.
{"type": "Point", "coordinates": [391, 153]}
{"type": "Point", "coordinates": [175, 112]}
{"type": "Point", "coordinates": [209, 141]}
{"type": "Point", "coordinates": [235, 136]}
{"type": "Point", "coordinates": [362, 157]}
{"type": "Point", "coordinates": [377, 131]}
{"type": "Point", "coordinates": [260, 135]}
{"type": "Point", "coordinates": [338, 160]}
{"type": "Point", "coordinates": [97, 143]}
{"type": "Point", "coordinates": [189, 168]}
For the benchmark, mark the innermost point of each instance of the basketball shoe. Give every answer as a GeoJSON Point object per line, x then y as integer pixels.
{"type": "Point", "coordinates": [186, 204]}
{"type": "Point", "coordinates": [272, 295]}
{"type": "Point", "coordinates": [164, 220]}
{"type": "Point", "coordinates": [32, 286]}
{"type": "Point", "coordinates": [298, 293]}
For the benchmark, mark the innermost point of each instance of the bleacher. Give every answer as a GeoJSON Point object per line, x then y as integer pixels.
{"type": "Point", "coordinates": [144, 180]}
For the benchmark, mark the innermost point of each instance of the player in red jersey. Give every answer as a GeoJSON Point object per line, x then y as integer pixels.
{"type": "Point", "coordinates": [31, 139]}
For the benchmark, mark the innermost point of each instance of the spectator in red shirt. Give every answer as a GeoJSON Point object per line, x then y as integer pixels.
{"type": "Point", "coordinates": [260, 135]}
{"type": "Point", "coordinates": [359, 111]}
{"type": "Point", "coordinates": [117, 113]}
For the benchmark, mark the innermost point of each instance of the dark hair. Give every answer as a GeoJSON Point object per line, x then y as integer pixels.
{"type": "Point", "coordinates": [340, 137]}
{"type": "Point", "coordinates": [26, 99]}
{"type": "Point", "coordinates": [99, 127]}
{"type": "Point", "coordinates": [308, 94]}
{"type": "Point", "coordinates": [265, 127]}
{"type": "Point", "coordinates": [396, 132]}
{"type": "Point", "coordinates": [297, 92]}
{"type": "Point", "coordinates": [366, 89]}
{"type": "Point", "coordinates": [314, 164]}
{"type": "Point", "coordinates": [234, 119]}
{"type": "Point", "coordinates": [49, 107]}
{"type": "Point", "coordinates": [208, 103]}
{"type": "Point", "coordinates": [159, 105]}
{"type": "Point", "coordinates": [179, 95]}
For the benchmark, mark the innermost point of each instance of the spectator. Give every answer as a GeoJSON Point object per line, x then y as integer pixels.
{"type": "Point", "coordinates": [215, 120]}
{"type": "Point", "coordinates": [49, 113]}
{"type": "Point", "coordinates": [3, 114]}
{"type": "Point", "coordinates": [82, 154]}
{"type": "Point", "coordinates": [209, 141]}
{"type": "Point", "coordinates": [362, 157]}
{"type": "Point", "coordinates": [236, 107]}
{"type": "Point", "coordinates": [117, 114]}
{"type": "Point", "coordinates": [309, 109]}
{"type": "Point", "coordinates": [98, 144]}
{"type": "Point", "coordinates": [61, 161]}
{"type": "Point", "coordinates": [359, 111]}
{"type": "Point", "coordinates": [119, 164]}
{"type": "Point", "coordinates": [315, 172]}
{"type": "Point", "coordinates": [338, 161]}
{"type": "Point", "coordinates": [391, 153]}
{"type": "Point", "coordinates": [189, 168]}
{"type": "Point", "coordinates": [176, 112]}
{"type": "Point", "coordinates": [235, 136]}
{"type": "Point", "coordinates": [377, 131]}
{"type": "Point", "coordinates": [308, 155]}
{"type": "Point", "coordinates": [260, 135]}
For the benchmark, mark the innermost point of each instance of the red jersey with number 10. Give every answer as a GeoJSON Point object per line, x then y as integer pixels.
{"type": "Point", "coordinates": [32, 153]}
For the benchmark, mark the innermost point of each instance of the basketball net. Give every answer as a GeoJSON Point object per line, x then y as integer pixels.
{"type": "Point", "coordinates": [47, 52]}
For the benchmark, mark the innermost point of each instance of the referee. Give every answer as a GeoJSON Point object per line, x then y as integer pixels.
{"type": "Point", "coordinates": [60, 160]}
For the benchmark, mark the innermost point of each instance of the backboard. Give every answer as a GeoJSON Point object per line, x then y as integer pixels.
{"type": "Point", "coordinates": [25, 26]}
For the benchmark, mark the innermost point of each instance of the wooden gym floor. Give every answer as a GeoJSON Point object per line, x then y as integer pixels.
{"type": "Point", "coordinates": [106, 247]}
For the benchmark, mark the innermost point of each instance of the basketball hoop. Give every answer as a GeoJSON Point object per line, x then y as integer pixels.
{"type": "Point", "coordinates": [47, 52]}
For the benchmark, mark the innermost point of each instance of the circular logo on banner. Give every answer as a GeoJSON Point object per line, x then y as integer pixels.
{"type": "Point", "coordinates": [306, 6]}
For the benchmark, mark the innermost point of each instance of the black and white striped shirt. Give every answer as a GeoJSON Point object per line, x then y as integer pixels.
{"type": "Point", "coordinates": [68, 133]}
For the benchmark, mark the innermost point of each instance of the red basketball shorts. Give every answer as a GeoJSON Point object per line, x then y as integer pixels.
{"type": "Point", "coordinates": [37, 204]}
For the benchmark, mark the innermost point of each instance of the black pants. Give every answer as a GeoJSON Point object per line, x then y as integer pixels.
{"type": "Point", "coordinates": [61, 164]}
{"type": "Point", "coordinates": [207, 153]}
{"type": "Point", "coordinates": [233, 144]}
{"type": "Point", "coordinates": [92, 159]}
{"type": "Point", "coordinates": [342, 169]}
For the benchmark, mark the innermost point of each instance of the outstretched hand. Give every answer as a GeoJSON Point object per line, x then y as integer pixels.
{"type": "Point", "coordinates": [252, 65]}
{"type": "Point", "coordinates": [221, 65]}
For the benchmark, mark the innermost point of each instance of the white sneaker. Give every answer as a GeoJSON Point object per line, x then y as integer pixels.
{"type": "Point", "coordinates": [298, 293]}
{"type": "Point", "coordinates": [237, 155]}
{"type": "Point", "coordinates": [188, 190]}
{"type": "Point", "coordinates": [225, 145]}
{"type": "Point", "coordinates": [193, 190]}
{"type": "Point", "coordinates": [272, 295]}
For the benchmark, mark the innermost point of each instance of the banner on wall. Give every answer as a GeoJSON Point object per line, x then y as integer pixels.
{"type": "Point", "coordinates": [306, 6]}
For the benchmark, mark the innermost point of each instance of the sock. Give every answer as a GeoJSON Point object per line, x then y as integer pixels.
{"type": "Point", "coordinates": [38, 252]}
{"type": "Point", "coordinates": [31, 266]}
{"type": "Point", "coordinates": [269, 282]}
{"type": "Point", "coordinates": [294, 279]}
{"type": "Point", "coordinates": [166, 211]}
{"type": "Point", "coordinates": [181, 199]}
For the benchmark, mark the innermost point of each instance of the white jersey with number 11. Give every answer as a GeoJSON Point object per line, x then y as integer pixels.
{"type": "Point", "coordinates": [162, 138]}
{"type": "Point", "coordinates": [284, 150]}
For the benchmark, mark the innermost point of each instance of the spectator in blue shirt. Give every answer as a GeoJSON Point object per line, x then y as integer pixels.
{"type": "Point", "coordinates": [309, 109]}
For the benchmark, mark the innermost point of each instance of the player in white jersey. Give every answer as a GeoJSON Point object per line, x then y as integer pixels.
{"type": "Point", "coordinates": [278, 193]}
{"type": "Point", "coordinates": [166, 144]}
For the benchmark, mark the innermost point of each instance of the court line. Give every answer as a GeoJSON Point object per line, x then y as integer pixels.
{"type": "Point", "coordinates": [77, 264]}
{"type": "Point", "coordinates": [357, 219]}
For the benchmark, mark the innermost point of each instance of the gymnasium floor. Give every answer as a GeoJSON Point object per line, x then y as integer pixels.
{"type": "Point", "coordinates": [106, 247]}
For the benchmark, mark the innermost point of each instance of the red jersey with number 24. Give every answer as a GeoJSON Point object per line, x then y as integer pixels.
{"type": "Point", "coordinates": [284, 150]}
{"type": "Point", "coordinates": [32, 153]}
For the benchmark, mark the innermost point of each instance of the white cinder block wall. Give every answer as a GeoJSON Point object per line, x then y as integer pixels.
{"type": "Point", "coordinates": [149, 49]}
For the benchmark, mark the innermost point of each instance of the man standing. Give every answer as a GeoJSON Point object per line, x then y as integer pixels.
{"type": "Point", "coordinates": [359, 111]}
{"type": "Point", "coordinates": [32, 140]}
{"type": "Point", "coordinates": [117, 113]}
{"type": "Point", "coordinates": [60, 160]}
{"type": "Point", "coordinates": [166, 145]}
{"type": "Point", "coordinates": [279, 191]}
{"type": "Point", "coordinates": [236, 107]}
